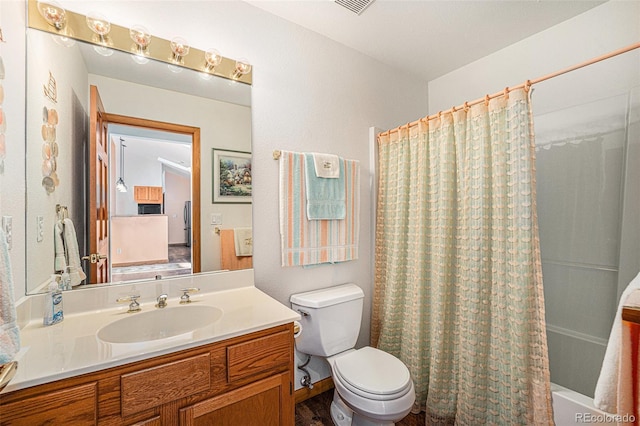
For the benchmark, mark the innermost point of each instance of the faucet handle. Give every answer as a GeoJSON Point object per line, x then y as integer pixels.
{"type": "Point", "coordinates": [185, 296]}
{"type": "Point", "coordinates": [162, 301]}
{"type": "Point", "coordinates": [134, 306]}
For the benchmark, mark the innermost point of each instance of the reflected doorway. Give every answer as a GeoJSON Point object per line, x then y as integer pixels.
{"type": "Point", "coordinates": [150, 214]}
{"type": "Point", "coordinates": [108, 132]}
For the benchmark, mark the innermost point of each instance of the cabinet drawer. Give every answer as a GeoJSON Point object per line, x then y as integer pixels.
{"type": "Point", "coordinates": [155, 386]}
{"type": "Point", "coordinates": [71, 406]}
{"type": "Point", "coordinates": [258, 355]}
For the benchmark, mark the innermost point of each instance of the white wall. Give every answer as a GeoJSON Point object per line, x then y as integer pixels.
{"type": "Point", "coordinates": [71, 104]}
{"type": "Point", "coordinates": [603, 29]}
{"type": "Point", "coordinates": [177, 191]}
{"type": "Point", "coordinates": [140, 170]}
{"type": "Point", "coordinates": [309, 94]}
{"type": "Point", "coordinates": [12, 182]}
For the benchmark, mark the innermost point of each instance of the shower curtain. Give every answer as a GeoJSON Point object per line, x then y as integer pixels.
{"type": "Point", "coordinates": [458, 283]}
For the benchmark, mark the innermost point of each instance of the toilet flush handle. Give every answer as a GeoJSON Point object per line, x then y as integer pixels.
{"type": "Point", "coordinates": [304, 313]}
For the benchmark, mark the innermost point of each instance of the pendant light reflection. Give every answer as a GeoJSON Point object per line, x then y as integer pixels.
{"type": "Point", "coordinates": [120, 185]}
{"type": "Point", "coordinates": [53, 13]}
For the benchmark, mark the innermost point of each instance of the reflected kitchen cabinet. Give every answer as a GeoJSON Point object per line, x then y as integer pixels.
{"type": "Point", "coordinates": [147, 194]}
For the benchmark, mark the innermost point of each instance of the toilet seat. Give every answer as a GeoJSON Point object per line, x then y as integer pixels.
{"type": "Point", "coordinates": [373, 374]}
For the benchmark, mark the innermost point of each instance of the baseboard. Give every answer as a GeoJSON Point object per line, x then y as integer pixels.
{"type": "Point", "coordinates": [319, 387]}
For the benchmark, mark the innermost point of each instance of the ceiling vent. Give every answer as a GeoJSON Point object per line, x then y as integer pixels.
{"type": "Point", "coordinates": [356, 6]}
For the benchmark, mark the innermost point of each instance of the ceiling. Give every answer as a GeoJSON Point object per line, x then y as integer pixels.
{"type": "Point", "coordinates": [428, 38]}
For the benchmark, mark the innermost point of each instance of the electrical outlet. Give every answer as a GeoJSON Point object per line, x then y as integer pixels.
{"type": "Point", "coordinates": [216, 218]}
{"type": "Point", "coordinates": [7, 227]}
{"type": "Point", "coordinates": [39, 228]}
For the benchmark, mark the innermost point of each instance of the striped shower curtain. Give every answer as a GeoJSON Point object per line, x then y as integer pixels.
{"type": "Point", "coordinates": [458, 283]}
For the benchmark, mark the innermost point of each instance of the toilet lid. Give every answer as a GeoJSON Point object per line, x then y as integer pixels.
{"type": "Point", "coordinates": [373, 371]}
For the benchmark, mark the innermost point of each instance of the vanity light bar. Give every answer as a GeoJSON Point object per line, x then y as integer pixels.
{"type": "Point", "coordinates": [118, 39]}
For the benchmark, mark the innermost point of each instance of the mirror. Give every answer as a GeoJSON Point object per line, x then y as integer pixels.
{"type": "Point", "coordinates": [164, 123]}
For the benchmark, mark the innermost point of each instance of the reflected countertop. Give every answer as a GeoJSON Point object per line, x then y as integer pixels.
{"type": "Point", "coordinates": [72, 347]}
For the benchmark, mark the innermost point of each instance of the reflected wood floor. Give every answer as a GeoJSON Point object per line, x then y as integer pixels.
{"type": "Point", "coordinates": [179, 264]}
{"type": "Point", "coordinates": [315, 412]}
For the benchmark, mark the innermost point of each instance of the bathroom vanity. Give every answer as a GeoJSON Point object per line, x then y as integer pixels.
{"type": "Point", "coordinates": [237, 370]}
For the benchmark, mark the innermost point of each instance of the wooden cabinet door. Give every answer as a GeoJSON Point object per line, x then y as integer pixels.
{"type": "Point", "coordinates": [141, 194]}
{"type": "Point", "coordinates": [147, 194]}
{"type": "Point", "coordinates": [71, 406]}
{"type": "Point", "coordinates": [268, 402]}
{"type": "Point", "coordinates": [155, 194]}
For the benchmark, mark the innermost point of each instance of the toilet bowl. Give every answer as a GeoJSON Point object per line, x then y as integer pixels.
{"type": "Point", "coordinates": [372, 387]}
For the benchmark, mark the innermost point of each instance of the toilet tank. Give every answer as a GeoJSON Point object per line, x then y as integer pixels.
{"type": "Point", "coordinates": [330, 319]}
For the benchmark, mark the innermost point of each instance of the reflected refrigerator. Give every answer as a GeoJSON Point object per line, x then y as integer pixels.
{"type": "Point", "coordinates": [187, 222]}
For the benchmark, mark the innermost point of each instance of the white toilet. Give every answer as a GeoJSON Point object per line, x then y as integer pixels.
{"type": "Point", "coordinates": [372, 387]}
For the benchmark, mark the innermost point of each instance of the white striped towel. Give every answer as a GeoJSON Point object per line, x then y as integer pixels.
{"type": "Point", "coordinates": [312, 242]}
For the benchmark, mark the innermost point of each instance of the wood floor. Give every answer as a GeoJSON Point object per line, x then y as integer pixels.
{"type": "Point", "coordinates": [315, 412]}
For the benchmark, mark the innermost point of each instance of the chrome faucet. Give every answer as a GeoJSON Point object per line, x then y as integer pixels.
{"type": "Point", "coordinates": [134, 306]}
{"type": "Point", "coordinates": [185, 296]}
{"type": "Point", "coordinates": [162, 301]}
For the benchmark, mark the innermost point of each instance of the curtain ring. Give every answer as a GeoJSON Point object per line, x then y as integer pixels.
{"type": "Point", "coordinates": [527, 86]}
{"type": "Point", "coordinates": [506, 92]}
{"type": "Point", "coordinates": [466, 106]}
{"type": "Point", "coordinates": [439, 114]}
{"type": "Point", "coordinates": [486, 100]}
{"type": "Point", "coordinates": [453, 110]}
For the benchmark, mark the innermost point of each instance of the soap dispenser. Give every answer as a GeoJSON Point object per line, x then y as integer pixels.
{"type": "Point", "coordinates": [53, 313]}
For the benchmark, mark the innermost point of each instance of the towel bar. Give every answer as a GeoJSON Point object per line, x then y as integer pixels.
{"type": "Point", "coordinates": [7, 371]}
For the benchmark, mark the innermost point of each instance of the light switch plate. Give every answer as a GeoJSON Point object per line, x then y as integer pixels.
{"type": "Point", "coordinates": [7, 227]}
{"type": "Point", "coordinates": [216, 218]}
{"type": "Point", "coordinates": [39, 228]}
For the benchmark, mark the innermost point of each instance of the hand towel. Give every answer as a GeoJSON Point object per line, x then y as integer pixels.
{"type": "Point", "coordinates": [326, 165]}
{"type": "Point", "coordinates": [9, 331]}
{"type": "Point", "coordinates": [312, 242]}
{"type": "Point", "coordinates": [76, 273]}
{"type": "Point", "coordinates": [325, 197]}
{"type": "Point", "coordinates": [60, 261]}
{"type": "Point", "coordinates": [616, 369]}
{"type": "Point", "coordinates": [243, 238]}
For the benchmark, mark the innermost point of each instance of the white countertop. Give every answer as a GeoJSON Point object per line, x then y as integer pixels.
{"type": "Point", "coordinates": [72, 347]}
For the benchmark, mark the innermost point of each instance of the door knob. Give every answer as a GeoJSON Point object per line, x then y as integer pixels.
{"type": "Point", "coordinates": [94, 257]}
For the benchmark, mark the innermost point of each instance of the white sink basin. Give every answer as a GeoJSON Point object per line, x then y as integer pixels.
{"type": "Point", "coordinates": [159, 324]}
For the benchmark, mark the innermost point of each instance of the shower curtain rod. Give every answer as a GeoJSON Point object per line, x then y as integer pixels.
{"type": "Point", "coordinates": [526, 85]}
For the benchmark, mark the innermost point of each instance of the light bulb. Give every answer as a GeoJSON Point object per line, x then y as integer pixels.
{"type": "Point", "coordinates": [212, 58]}
{"type": "Point", "coordinates": [103, 51]}
{"type": "Point", "coordinates": [53, 13]}
{"type": "Point", "coordinates": [139, 58]}
{"type": "Point", "coordinates": [98, 24]}
{"type": "Point", "coordinates": [140, 36]}
{"type": "Point", "coordinates": [242, 67]}
{"type": "Point", "coordinates": [179, 47]}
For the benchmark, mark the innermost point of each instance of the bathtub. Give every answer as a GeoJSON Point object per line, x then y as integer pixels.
{"type": "Point", "coordinates": [572, 408]}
